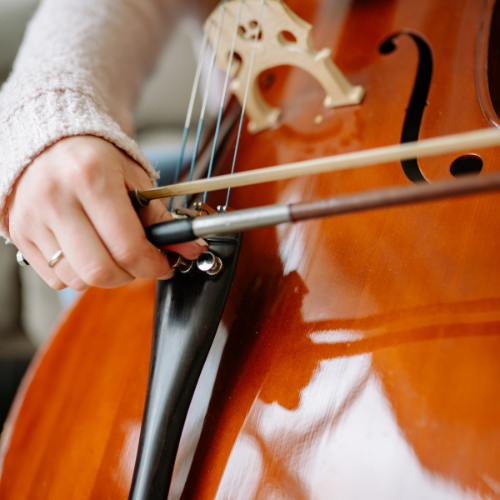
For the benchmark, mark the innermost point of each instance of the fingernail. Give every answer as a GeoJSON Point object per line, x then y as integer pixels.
{"type": "Point", "coordinates": [201, 243]}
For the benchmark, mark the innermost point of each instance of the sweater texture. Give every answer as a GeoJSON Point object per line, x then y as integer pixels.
{"type": "Point", "coordinates": [78, 72]}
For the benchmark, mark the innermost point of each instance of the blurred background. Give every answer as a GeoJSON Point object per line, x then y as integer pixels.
{"type": "Point", "coordinates": [28, 307]}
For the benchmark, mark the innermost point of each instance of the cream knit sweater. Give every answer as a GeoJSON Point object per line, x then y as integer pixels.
{"type": "Point", "coordinates": [78, 72]}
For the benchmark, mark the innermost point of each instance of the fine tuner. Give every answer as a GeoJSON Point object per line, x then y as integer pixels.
{"type": "Point", "coordinates": [207, 262]}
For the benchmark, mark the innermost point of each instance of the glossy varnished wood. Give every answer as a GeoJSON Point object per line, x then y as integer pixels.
{"type": "Point", "coordinates": [358, 357]}
{"type": "Point", "coordinates": [74, 428]}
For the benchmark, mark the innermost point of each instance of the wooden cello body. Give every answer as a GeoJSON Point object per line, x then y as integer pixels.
{"type": "Point", "coordinates": [358, 356]}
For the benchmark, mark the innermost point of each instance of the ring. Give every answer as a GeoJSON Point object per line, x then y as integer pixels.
{"type": "Point", "coordinates": [21, 260]}
{"type": "Point", "coordinates": [57, 257]}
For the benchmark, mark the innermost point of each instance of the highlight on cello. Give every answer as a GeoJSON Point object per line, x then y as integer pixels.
{"type": "Point", "coordinates": [353, 354]}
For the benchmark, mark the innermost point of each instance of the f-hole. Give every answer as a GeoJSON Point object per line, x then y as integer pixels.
{"type": "Point", "coordinates": [418, 100]}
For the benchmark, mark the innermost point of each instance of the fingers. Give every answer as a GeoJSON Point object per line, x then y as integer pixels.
{"type": "Point", "coordinates": [123, 235]}
{"type": "Point", "coordinates": [90, 258]}
{"type": "Point", "coordinates": [87, 261]}
{"type": "Point", "coordinates": [61, 272]}
{"type": "Point", "coordinates": [102, 193]}
{"type": "Point", "coordinates": [39, 263]}
{"type": "Point", "coordinates": [122, 231]}
{"type": "Point", "coordinates": [156, 213]}
{"type": "Point", "coordinates": [191, 250]}
{"type": "Point", "coordinates": [82, 208]}
{"type": "Point", "coordinates": [24, 233]}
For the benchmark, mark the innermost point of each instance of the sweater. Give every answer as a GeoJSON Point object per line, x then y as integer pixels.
{"type": "Point", "coordinates": [78, 72]}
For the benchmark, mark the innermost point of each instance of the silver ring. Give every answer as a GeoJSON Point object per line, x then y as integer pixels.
{"type": "Point", "coordinates": [21, 260]}
{"type": "Point", "coordinates": [56, 258]}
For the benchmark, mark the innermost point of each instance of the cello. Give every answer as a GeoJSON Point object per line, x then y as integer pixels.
{"type": "Point", "coordinates": [357, 357]}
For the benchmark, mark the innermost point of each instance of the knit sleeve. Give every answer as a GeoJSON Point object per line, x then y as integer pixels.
{"type": "Point", "coordinates": [78, 72]}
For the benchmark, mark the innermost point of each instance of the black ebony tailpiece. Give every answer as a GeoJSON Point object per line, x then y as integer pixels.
{"type": "Point", "coordinates": [187, 314]}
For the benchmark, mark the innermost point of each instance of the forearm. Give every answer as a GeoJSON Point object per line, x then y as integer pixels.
{"type": "Point", "coordinates": [78, 73]}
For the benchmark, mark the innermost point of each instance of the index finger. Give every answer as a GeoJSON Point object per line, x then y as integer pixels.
{"type": "Point", "coordinates": [122, 233]}
{"type": "Point", "coordinates": [156, 213]}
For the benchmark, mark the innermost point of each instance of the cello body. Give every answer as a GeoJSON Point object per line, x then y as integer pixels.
{"type": "Point", "coordinates": [358, 356]}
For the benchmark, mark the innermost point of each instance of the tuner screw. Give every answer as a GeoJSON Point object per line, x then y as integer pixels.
{"type": "Point", "coordinates": [185, 266]}
{"type": "Point", "coordinates": [209, 263]}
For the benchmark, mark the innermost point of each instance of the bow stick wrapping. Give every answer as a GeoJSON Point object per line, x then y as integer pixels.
{"type": "Point", "coordinates": [169, 233]}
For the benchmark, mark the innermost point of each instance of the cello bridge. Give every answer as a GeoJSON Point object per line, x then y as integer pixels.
{"type": "Point", "coordinates": [280, 39]}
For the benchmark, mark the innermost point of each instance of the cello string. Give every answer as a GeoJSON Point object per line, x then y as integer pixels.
{"type": "Point", "coordinates": [246, 95]}
{"type": "Point", "coordinates": [205, 98]}
{"type": "Point", "coordinates": [224, 92]}
{"type": "Point", "coordinates": [192, 99]}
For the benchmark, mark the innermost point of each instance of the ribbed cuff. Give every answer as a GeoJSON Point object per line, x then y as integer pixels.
{"type": "Point", "coordinates": [42, 121]}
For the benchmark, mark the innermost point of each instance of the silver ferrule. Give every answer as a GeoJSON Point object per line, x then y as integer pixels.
{"type": "Point", "coordinates": [241, 220]}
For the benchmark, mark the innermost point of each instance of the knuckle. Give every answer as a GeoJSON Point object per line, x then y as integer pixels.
{"type": "Point", "coordinates": [47, 190]}
{"type": "Point", "coordinates": [98, 275]}
{"type": "Point", "coordinates": [127, 256]}
{"type": "Point", "coordinates": [77, 284]}
{"type": "Point", "coordinates": [15, 235]}
{"type": "Point", "coordinates": [88, 171]}
{"type": "Point", "coordinates": [55, 283]}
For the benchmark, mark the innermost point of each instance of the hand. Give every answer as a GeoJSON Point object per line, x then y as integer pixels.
{"type": "Point", "coordinates": [73, 197]}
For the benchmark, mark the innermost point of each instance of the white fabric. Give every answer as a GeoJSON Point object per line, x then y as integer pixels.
{"type": "Point", "coordinates": [78, 72]}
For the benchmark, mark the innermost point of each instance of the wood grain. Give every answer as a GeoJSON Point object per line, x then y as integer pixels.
{"type": "Point", "coordinates": [358, 357]}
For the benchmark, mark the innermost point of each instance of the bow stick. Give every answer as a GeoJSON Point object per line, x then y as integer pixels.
{"type": "Point", "coordinates": [179, 231]}
{"type": "Point", "coordinates": [426, 147]}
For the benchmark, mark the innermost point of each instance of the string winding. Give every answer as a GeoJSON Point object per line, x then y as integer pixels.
{"type": "Point", "coordinates": [194, 90]}
{"type": "Point", "coordinates": [240, 127]}
{"type": "Point", "coordinates": [189, 115]}
{"type": "Point", "coordinates": [205, 98]}
{"type": "Point", "coordinates": [224, 94]}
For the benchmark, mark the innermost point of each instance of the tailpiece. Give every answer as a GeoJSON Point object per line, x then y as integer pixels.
{"type": "Point", "coordinates": [188, 310]}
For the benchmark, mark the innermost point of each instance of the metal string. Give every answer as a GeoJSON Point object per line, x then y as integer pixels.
{"type": "Point", "coordinates": [192, 99]}
{"type": "Point", "coordinates": [205, 98]}
{"type": "Point", "coordinates": [246, 95]}
{"type": "Point", "coordinates": [224, 93]}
